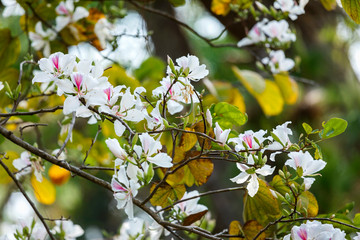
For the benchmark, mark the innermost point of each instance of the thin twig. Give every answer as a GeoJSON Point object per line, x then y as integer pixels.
{"type": "Point", "coordinates": [27, 198]}
{"type": "Point", "coordinates": [92, 144]}
{"type": "Point", "coordinates": [54, 109]}
{"type": "Point", "coordinates": [97, 168]}
{"type": "Point", "coordinates": [180, 23]}
{"type": "Point", "coordinates": [31, 125]}
{"type": "Point", "coordinates": [68, 135]}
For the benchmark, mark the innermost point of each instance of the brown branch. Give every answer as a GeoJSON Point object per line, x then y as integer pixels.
{"type": "Point", "coordinates": [54, 109]}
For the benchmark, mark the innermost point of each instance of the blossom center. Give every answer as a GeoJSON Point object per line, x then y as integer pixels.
{"type": "Point", "coordinates": [248, 140]}
{"type": "Point", "coordinates": [302, 234]}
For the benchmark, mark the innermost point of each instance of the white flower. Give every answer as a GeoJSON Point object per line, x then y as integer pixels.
{"type": "Point", "coordinates": [155, 120]}
{"type": "Point", "coordinates": [255, 35]}
{"type": "Point", "coordinates": [12, 8]}
{"type": "Point", "coordinates": [152, 148]}
{"type": "Point", "coordinates": [308, 165]}
{"type": "Point", "coordinates": [192, 65]}
{"type": "Point", "coordinates": [155, 229]}
{"type": "Point", "coordinates": [124, 190]}
{"type": "Point", "coordinates": [54, 67]}
{"type": "Point", "coordinates": [246, 140]}
{"type": "Point", "coordinates": [357, 237]}
{"type": "Point", "coordinates": [209, 117]}
{"type": "Point", "coordinates": [282, 132]}
{"type": "Point", "coordinates": [25, 166]}
{"type": "Point", "coordinates": [68, 15]}
{"type": "Point", "coordinates": [126, 109]}
{"type": "Point", "coordinates": [278, 62]}
{"type": "Point", "coordinates": [251, 172]}
{"type": "Point", "coordinates": [221, 135]}
{"type": "Point", "coordinates": [1, 85]}
{"type": "Point", "coordinates": [107, 96]}
{"type": "Point", "coordinates": [115, 148]}
{"type": "Point", "coordinates": [132, 229]}
{"type": "Point", "coordinates": [315, 230]}
{"type": "Point", "coordinates": [38, 231]}
{"type": "Point", "coordinates": [279, 30]}
{"type": "Point", "coordinates": [102, 30]}
{"type": "Point", "coordinates": [180, 92]}
{"type": "Point", "coordinates": [191, 206]}
{"type": "Point", "coordinates": [291, 7]}
{"type": "Point", "coordinates": [41, 39]}
{"type": "Point", "coordinates": [70, 230]}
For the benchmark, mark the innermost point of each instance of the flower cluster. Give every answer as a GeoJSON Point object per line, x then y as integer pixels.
{"type": "Point", "coordinates": [176, 87]}
{"type": "Point", "coordinates": [252, 145]}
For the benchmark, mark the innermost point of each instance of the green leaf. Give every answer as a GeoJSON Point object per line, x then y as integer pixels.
{"type": "Point", "coordinates": [357, 219]}
{"type": "Point", "coordinates": [227, 115]}
{"type": "Point", "coordinates": [352, 7]}
{"type": "Point", "coordinates": [152, 68]}
{"type": "Point", "coordinates": [263, 207]}
{"type": "Point", "coordinates": [279, 185]}
{"type": "Point", "coordinates": [9, 48]}
{"type": "Point", "coordinates": [333, 127]}
{"type": "Point", "coordinates": [177, 3]}
{"type": "Point", "coordinates": [347, 208]}
{"type": "Point", "coordinates": [308, 129]}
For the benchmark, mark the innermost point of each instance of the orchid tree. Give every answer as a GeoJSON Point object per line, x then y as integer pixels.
{"type": "Point", "coordinates": [153, 145]}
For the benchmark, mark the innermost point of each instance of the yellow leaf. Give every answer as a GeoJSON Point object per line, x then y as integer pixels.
{"type": "Point", "coordinates": [263, 207]}
{"type": "Point", "coordinates": [308, 202]}
{"type": "Point", "coordinates": [251, 229]}
{"type": "Point", "coordinates": [252, 81]}
{"type": "Point", "coordinates": [195, 172]}
{"type": "Point", "coordinates": [58, 175]}
{"type": "Point", "coordinates": [199, 127]}
{"type": "Point", "coordinates": [187, 140]}
{"type": "Point", "coordinates": [352, 8]}
{"type": "Point", "coordinates": [329, 4]}
{"type": "Point", "coordinates": [236, 99]}
{"type": "Point", "coordinates": [44, 191]}
{"type": "Point", "coordinates": [235, 229]}
{"type": "Point", "coordinates": [271, 101]}
{"type": "Point", "coordinates": [4, 177]}
{"type": "Point", "coordinates": [266, 92]}
{"type": "Point", "coordinates": [166, 194]}
{"type": "Point", "coordinates": [288, 88]}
